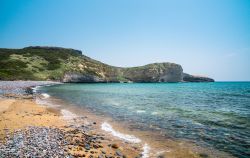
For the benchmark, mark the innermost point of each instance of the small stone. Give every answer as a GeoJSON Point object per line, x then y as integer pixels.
{"type": "Point", "coordinates": [100, 156]}
{"type": "Point", "coordinates": [103, 151]}
{"type": "Point", "coordinates": [115, 146]}
{"type": "Point", "coordinates": [118, 153]}
{"type": "Point", "coordinates": [203, 155]}
{"type": "Point", "coordinates": [96, 146]}
{"type": "Point", "coordinates": [87, 147]}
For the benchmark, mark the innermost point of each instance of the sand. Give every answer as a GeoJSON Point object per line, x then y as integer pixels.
{"type": "Point", "coordinates": [21, 113]}
{"type": "Point", "coordinates": [18, 114]}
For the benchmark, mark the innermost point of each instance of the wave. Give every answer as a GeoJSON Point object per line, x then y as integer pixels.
{"type": "Point", "coordinates": [155, 113]}
{"type": "Point", "coordinates": [42, 98]}
{"type": "Point", "coordinates": [45, 95]}
{"type": "Point", "coordinates": [140, 111]}
{"type": "Point", "coordinates": [34, 89]}
{"type": "Point", "coordinates": [146, 149]}
{"type": "Point", "coordinates": [130, 138]}
{"type": "Point", "coordinates": [45, 100]}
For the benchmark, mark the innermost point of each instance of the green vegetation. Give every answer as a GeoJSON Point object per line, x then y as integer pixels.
{"type": "Point", "coordinates": [37, 63]}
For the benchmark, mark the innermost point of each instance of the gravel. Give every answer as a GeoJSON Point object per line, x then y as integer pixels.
{"type": "Point", "coordinates": [20, 87]}
{"type": "Point", "coordinates": [35, 142]}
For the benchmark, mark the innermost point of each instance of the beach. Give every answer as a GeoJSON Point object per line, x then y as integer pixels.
{"type": "Point", "coordinates": [28, 129]}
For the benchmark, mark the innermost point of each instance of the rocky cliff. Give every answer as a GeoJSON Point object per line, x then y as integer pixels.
{"type": "Point", "coordinates": [157, 72]}
{"type": "Point", "coordinates": [69, 65]}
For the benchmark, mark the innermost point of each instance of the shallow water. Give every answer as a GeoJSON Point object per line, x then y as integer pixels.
{"type": "Point", "coordinates": [210, 114]}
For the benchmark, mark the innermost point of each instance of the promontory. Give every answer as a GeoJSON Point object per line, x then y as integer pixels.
{"type": "Point", "coordinates": [69, 65]}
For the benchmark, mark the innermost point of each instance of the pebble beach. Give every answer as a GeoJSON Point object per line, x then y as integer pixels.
{"type": "Point", "coordinates": [31, 130]}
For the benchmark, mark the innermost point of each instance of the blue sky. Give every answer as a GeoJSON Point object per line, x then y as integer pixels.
{"type": "Point", "coordinates": [206, 37]}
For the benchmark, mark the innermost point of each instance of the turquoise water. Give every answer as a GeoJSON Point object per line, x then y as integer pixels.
{"type": "Point", "coordinates": [213, 114]}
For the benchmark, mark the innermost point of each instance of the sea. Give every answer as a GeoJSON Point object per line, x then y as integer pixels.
{"type": "Point", "coordinates": [214, 115]}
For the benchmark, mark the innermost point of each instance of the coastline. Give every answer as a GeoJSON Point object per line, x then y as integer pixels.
{"type": "Point", "coordinates": [110, 138]}
{"type": "Point", "coordinates": [20, 114]}
{"type": "Point", "coordinates": [150, 143]}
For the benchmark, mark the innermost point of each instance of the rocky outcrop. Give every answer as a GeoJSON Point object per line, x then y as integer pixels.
{"type": "Point", "coordinates": [75, 77]}
{"type": "Point", "coordinates": [157, 72]}
{"type": "Point", "coordinates": [193, 78]}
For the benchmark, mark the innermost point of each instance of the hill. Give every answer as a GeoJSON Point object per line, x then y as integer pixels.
{"type": "Point", "coordinates": [69, 65]}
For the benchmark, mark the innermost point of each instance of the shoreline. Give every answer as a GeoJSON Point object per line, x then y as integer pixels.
{"type": "Point", "coordinates": [151, 143]}
{"type": "Point", "coordinates": [124, 143]}
{"type": "Point", "coordinates": [21, 115]}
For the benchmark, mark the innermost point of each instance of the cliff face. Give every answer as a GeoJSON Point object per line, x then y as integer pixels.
{"type": "Point", "coordinates": [69, 65]}
{"type": "Point", "coordinates": [158, 72]}
{"type": "Point", "coordinates": [79, 77]}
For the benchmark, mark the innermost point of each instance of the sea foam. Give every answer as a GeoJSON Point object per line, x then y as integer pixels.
{"type": "Point", "coordinates": [130, 138]}
{"type": "Point", "coordinates": [67, 115]}
{"type": "Point", "coordinates": [45, 95]}
{"type": "Point", "coordinates": [140, 111]}
{"type": "Point", "coordinates": [146, 149]}
{"type": "Point", "coordinates": [34, 89]}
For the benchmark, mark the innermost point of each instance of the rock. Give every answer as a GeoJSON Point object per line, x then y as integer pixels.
{"type": "Point", "coordinates": [203, 155]}
{"type": "Point", "coordinates": [157, 72]}
{"type": "Point", "coordinates": [108, 156]}
{"type": "Point", "coordinates": [100, 146]}
{"type": "Point", "coordinates": [118, 153]}
{"type": "Point", "coordinates": [100, 156]}
{"type": "Point", "coordinates": [193, 78]}
{"type": "Point", "coordinates": [104, 152]}
{"type": "Point", "coordinates": [87, 147]}
{"type": "Point", "coordinates": [81, 77]}
{"type": "Point", "coordinates": [115, 146]}
{"type": "Point", "coordinates": [96, 146]}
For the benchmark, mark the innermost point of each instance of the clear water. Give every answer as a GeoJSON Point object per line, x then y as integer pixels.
{"type": "Point", "coordinates": [212, 114]}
